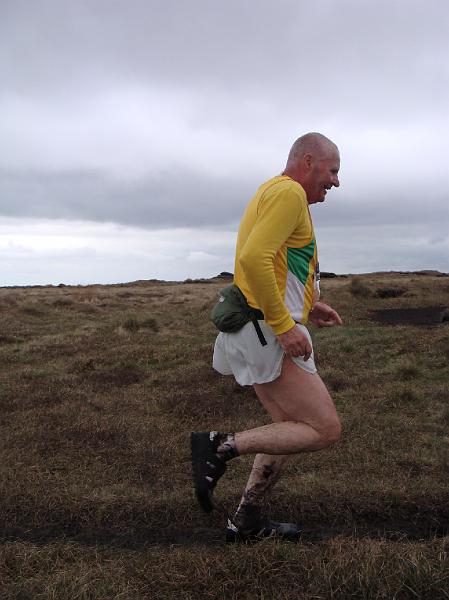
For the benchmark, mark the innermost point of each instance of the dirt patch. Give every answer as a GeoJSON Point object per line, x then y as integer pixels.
{"type": "Point", "coordinates": [428, 315]}
{"type": "Point", "coordinates": [391, 292]}
{"type": "Point", "coordinates": [377, 518]}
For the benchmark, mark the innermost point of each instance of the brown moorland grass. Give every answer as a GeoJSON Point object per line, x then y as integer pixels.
{"type": "Point", "coordinates": [99, 389]}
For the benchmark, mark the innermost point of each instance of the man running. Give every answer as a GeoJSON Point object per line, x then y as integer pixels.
{"type": "Point", "coordinates": [276, 268]}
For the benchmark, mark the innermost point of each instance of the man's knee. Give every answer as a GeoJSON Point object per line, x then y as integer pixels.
{"type": "Point", "coordinates": [330, 433]}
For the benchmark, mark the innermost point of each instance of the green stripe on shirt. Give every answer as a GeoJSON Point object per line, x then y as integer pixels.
{"type": "Point", "coordinates": [298, 261]}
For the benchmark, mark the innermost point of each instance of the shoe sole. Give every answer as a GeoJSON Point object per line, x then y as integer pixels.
{"type": "Point", "coordinates": [233, 536]}
{"type": "Point", "coordinates": [200, 450]}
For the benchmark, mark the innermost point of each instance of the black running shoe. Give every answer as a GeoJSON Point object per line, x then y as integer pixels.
{"type": "Point", "coordinates": [288, 532]}
{"type": "Point", "coordinates": [207, 468]}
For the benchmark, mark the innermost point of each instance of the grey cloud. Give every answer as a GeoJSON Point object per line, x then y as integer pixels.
{"type": "Point", "coordinates": [181, 198]}
{"type": "Point", "coordinates": [380, 57]}
{"type": "Point", "coordinates": [170, 199]}
{"type": "Point", "coordinates": [369, 247]}
{"type": "Point", "coordinates": [260, 70]}
{"type": "Point", "coordinates": [385, 209]}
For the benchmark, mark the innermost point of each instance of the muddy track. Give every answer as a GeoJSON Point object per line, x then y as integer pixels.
{"type": "Point", "coordinates": [363, 518]}
{"type": "Point", "coordinates": [420, 316]}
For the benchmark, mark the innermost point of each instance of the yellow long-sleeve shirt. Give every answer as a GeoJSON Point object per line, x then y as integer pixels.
{"type": "Point", "coordinates": [276, 265]}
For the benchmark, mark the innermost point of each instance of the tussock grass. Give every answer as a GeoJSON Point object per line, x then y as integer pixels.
{"type": "Point", "coordinates": [63, 302]}
{"type": "Point", "coordinates": [407, 371]}
{"type": "Point", "coordinates": [99, 389]}
{"type": "Point", "coordinates": [131, 324]}
{"type": "Point", "coordinates": [392, 292]}
{"type": "Point", "coordinates": [359, 288]}
{"type": "Point", "coordinates": [150, 323]}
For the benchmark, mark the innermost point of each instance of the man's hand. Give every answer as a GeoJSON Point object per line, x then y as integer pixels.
{"type": "Point", "coordinates": [295, 343]}
{"type": "Point", "coordinates": [323, 315]}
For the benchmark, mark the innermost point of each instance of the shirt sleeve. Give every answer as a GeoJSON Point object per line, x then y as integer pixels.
{"type": "Point", "coordinates": [278, 214]}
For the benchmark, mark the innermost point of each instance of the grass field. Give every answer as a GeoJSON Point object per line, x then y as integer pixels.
{"type": "Point", "coordinates": [100, 387]}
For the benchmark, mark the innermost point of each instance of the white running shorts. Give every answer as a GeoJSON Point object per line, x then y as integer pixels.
{"type": "Point", "coordinates": [241, 354]}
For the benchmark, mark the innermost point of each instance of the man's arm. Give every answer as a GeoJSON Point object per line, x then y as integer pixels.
{"type": "Point", "coordinates": [277, 217]}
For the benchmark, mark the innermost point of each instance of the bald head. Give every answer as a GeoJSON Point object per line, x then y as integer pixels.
{"type": "Point", "coordinates": [314, 162]}
{"type": "Point", "coordinates": [315, 144]}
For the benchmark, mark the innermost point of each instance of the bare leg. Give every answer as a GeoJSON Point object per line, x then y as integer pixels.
{"type": "Point", "coordinates": [305, 420]}
{"type": "Point", "coordinates": [294, 394]}
{"type": "Point", "coordinates": [265, 472]}
{"type": "Point", "coordinates": [309, 419]}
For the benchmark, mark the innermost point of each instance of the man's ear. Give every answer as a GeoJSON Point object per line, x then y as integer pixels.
{"type": "Point", "coordinates": [308, 159]}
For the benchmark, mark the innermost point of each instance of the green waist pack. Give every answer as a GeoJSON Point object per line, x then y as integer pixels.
{"type": "Point", "coordinates": [232, 312]}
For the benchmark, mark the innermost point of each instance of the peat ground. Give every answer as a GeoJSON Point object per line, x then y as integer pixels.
{"type": "Point", "coordinates": [100, 387]}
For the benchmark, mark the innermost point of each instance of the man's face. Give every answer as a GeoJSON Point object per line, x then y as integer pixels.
{"type": "Point", "coordinates": [323, 174]}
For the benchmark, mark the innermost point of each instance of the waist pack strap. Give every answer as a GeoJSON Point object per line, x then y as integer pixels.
{"type": "Point", "coordinates": [260, 335]}
{"type": "Point", "coordinates": [255, 315]}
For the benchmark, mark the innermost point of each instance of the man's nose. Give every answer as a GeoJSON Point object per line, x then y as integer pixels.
{"type": "Point", "coordinates": [335, 181]}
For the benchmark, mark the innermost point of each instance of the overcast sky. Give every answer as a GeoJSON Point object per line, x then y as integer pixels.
{"type": "Point", "coordinates": [133, 132]}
